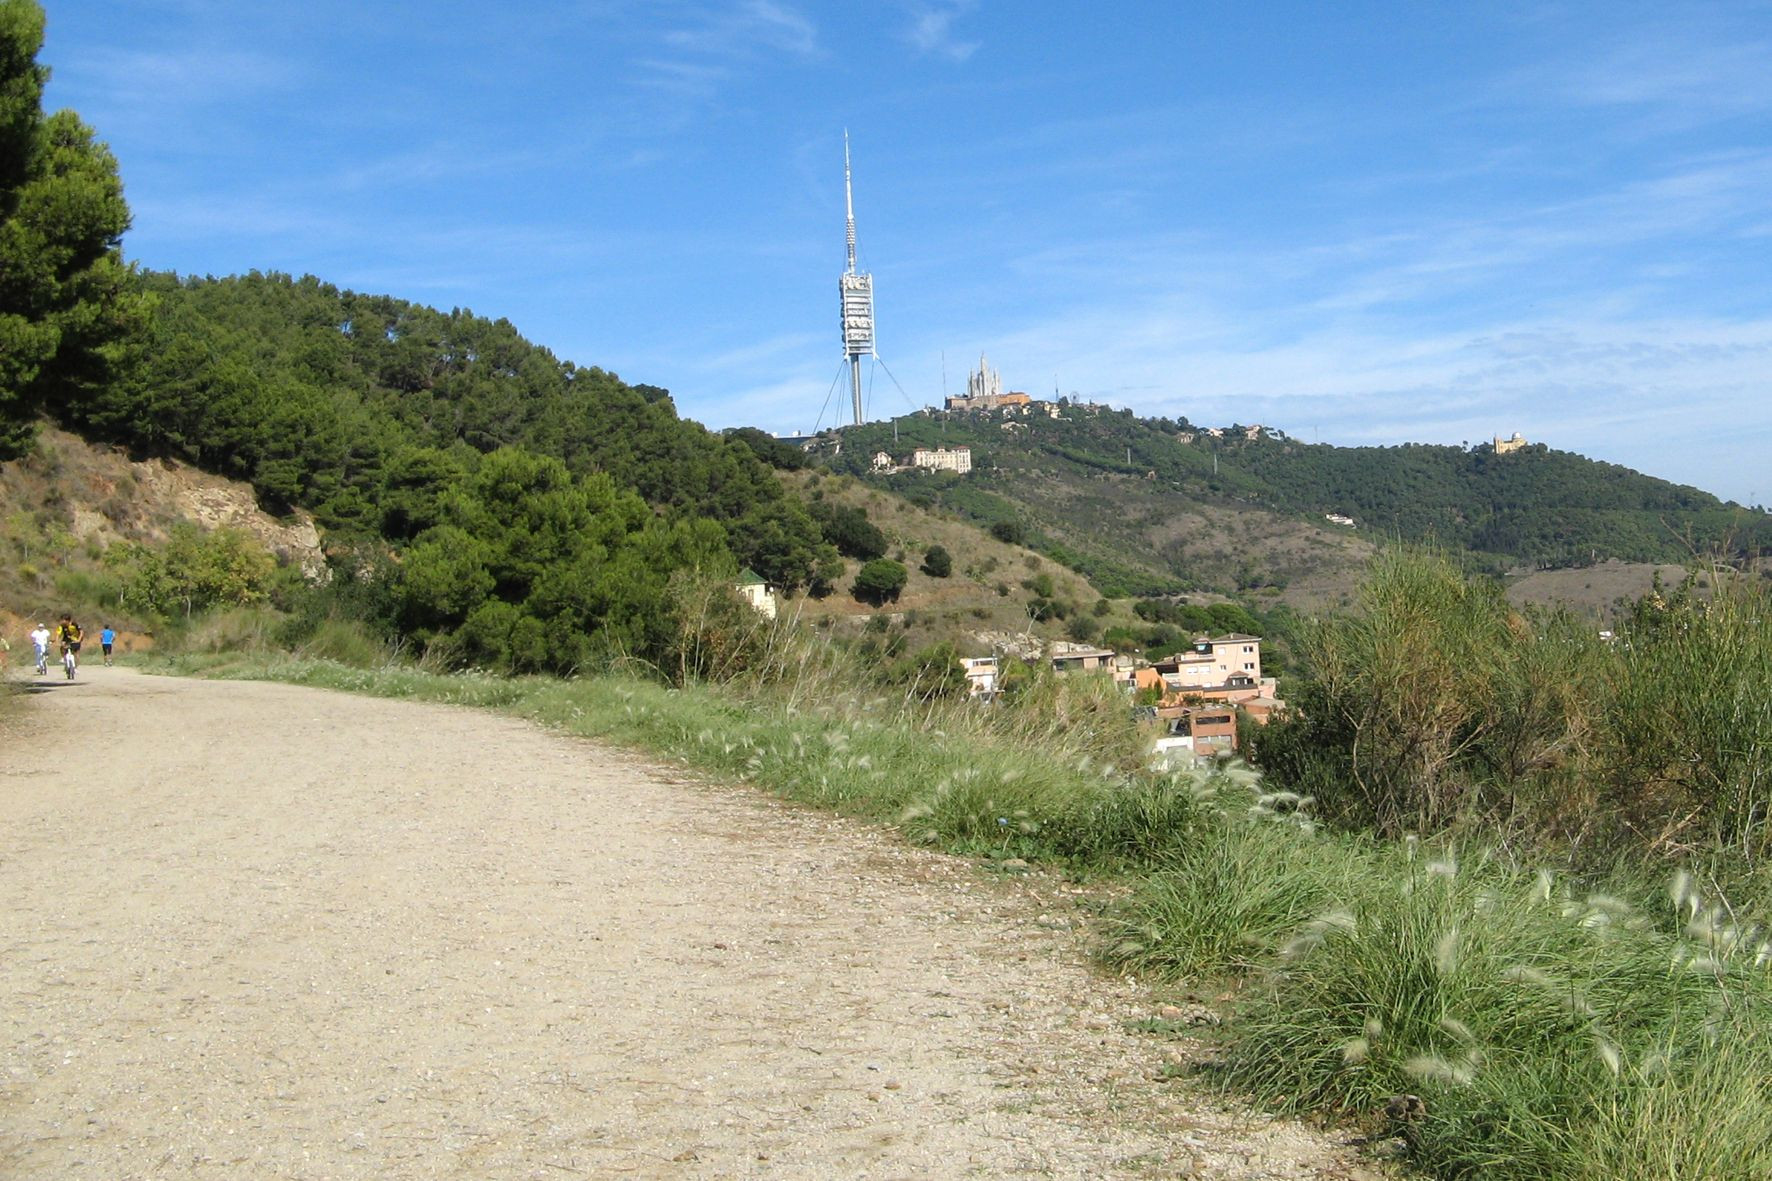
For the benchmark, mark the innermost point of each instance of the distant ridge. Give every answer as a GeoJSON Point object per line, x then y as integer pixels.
{"type": "Point", "coordinates": [1141, 503]}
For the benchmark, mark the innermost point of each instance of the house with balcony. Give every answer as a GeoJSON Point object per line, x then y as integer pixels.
{"type": "Point", "coordinates": [1223, 668]}
{"type": "Point", "coordinates": [981, 676]}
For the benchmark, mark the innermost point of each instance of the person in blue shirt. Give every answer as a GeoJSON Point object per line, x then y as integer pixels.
{"type": "Point", "coordinates": [106, 638]}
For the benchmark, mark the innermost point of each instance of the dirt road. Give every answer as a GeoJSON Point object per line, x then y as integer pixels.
{"type": "Point", "coordinates": [253, 930]}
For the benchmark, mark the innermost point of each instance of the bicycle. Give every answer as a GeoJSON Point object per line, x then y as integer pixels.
{"type": "Point", "coordinates": [68, 661]}
{"type": "Point", "coordinates": [42, 661]}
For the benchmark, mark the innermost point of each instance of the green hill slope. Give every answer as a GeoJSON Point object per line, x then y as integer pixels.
{"type": "Point", "coordinates": [364, 409]}
{"type": "Point", "coordinates": [1147, 505]}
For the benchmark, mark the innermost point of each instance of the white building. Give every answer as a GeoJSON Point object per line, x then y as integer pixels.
{"type": "Point", "coordinates": [943, 460]}
{"type": "Point", "coordinates": [753, 590]}
{"type": "Point", "coordinates": [981, 675]}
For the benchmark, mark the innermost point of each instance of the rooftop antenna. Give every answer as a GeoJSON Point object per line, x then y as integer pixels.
{"type": "Point", "coordinates": [857, 291]}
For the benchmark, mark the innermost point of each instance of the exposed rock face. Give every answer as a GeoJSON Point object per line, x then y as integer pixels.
{"type": "Point", "coordinates": [105, 496]}
{"type": "Point", "coordinates": [213, 502]}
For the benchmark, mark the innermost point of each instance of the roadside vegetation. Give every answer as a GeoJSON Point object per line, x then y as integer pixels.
{"type": "Point", "coordinates": [1529, 997]}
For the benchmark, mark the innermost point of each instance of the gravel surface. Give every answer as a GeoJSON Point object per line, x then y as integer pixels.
{"type": "Point", "coordinates": [254, 930]}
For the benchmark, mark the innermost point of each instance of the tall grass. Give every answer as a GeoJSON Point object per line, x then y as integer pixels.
{"type": "Point", "coordinates": [1552, 1030]}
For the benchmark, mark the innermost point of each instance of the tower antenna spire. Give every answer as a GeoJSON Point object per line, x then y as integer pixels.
{"type": "Point", "coordinates": [857, 292]}
{"type": "Point", "coordinates": [848, 203]}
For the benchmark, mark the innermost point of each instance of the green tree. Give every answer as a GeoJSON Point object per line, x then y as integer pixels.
{"type": "Point", "coordinates": [849, 529]}
{"type": "Point", "coordinates": [192, 571]}
{"type": "Point", "coordinates": [880, 581]}
{"type": "Point", "coordinates": [933, 672]}
{"type": "Point", "coordinates": [67, 314]}
{"type": "Point", "coordinates": [937, 562]}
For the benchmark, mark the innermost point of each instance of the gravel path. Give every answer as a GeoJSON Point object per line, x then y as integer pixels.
{"type": "Point", "coordinates": [254, 930]}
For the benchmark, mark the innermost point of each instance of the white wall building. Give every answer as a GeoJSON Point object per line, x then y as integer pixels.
{"type": "Point", "coordinates": [943, 460]}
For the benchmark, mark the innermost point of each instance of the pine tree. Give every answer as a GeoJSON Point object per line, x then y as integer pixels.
{"type": "Point", "coordinates": [68, 313]}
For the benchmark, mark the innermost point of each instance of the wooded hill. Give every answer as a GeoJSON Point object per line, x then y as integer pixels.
{"type": "Point", "coordinates": [520, 510]}
{"type": "Point", "coordinates": [1151, 504]}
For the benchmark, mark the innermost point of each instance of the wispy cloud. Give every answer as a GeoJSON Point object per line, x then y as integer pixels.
{"type": "Point", "coordinates": [746, 29]}
{"type": "Point", "coordinates": [1677, 68]}
{"type": "Point", "coordinates": [689, 79]}
{"type": "Point", "coordinates": [1654, 77]}
{"type": "Point", "coordinates": [764, 355]}
{"type": "Point", "coordinates": [932, 29]}
{"type": "Point", "coordinates": [708, 47]}
{"type": "Point", "coordinates": [117, 88]}
{"type": "Point", "coordinates": [425, 166]}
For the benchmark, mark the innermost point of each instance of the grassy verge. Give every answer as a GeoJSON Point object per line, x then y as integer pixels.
{"type": "Point", "coordinates": [1551, 1027]}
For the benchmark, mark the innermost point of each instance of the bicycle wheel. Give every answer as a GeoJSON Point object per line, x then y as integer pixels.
{"type": "Point", "coordinates": [68, 661]}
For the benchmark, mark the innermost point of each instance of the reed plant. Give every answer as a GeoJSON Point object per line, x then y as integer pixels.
{"type": "Point", "coordinates": [1689, 719]}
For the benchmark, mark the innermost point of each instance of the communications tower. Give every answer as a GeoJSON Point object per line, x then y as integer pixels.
{"type": "Point", "coordinates": [857, 290]}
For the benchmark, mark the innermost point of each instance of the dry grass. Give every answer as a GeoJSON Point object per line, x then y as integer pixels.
{"type": "Point", "coordinates": [1594, 591]}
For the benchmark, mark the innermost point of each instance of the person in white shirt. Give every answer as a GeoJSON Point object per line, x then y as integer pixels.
{"type": "Point", "coordinates": [40, 641]}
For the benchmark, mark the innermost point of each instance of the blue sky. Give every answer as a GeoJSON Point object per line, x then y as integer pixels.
{"type": "Point", "coordinates": [1360, 222]}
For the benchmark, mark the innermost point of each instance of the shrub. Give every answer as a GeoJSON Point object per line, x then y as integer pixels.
{"type": "Point", "coordinates": [937, 563]}
{"type": "Point", "coordinates": [932, 673]}
{"type": "Point", "coordinates": [851, 532]}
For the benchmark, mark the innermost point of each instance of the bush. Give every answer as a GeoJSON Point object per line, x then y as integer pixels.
{"type": "Point", "coordinates": [1084, 629]}
{"type": "Point", "coordinates": [851, 532]}
{"type": "Point", "coordinates": [937, 563]}
{"type": "Point", "coordinates": [1551, 1031]}
{"type": "Point", "coordinates": [1009, 532]}
{"type": "Point", "coordinates": [719, 635]}
{"type": "Point", "coordinates": [932, 673]}
{"type": "Point", "coordinates": [346, 641]}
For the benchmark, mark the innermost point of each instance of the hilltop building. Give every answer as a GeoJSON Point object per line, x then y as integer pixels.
{"type": "Point", "coordinates": [984, 391]}
{"type": "Point", "coordinates": [1508, 446]}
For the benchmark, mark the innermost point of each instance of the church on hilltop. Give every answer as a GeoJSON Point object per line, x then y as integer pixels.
{"type": "Point", "coordinates": [984, 391]}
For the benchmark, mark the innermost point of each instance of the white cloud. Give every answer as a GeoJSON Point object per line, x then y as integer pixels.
{"type": "Point", "coordinates": [932, 30]}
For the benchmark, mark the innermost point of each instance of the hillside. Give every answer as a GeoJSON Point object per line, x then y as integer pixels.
{"type": "Point", "coordinates": [1152, 505]}
{"type": "Point", "coordinates": [363, 409]}
{"type": "Point", "coordinates": [987, 592]}
{"type": "Point", "coordinates": [503, 508]}
{"type": "Point", "coordinates": [71, 510]}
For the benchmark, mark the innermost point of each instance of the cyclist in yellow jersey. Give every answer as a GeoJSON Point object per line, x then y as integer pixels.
{"type": "Point", "coordinates": [67, 634]}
